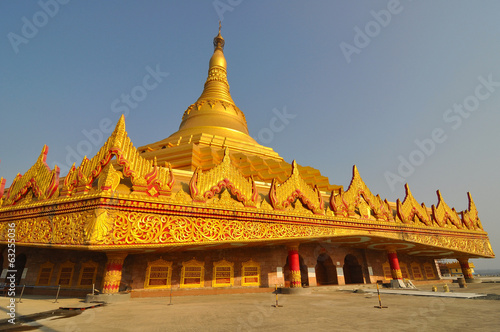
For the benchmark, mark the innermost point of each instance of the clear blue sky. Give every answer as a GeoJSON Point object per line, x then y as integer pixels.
{"type": "Point", "coordinates": [359, 97]}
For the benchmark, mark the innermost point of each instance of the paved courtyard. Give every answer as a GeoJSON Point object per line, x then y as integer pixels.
{"type": "Point", "coordinates": [324, 309]}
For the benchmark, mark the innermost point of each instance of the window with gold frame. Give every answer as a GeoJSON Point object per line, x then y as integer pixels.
{"type": "Point", "coordinates": [88, 272]}
{"type": "Point", "coordinates": [66, 274]}
{"type": "Point", "coordinates": [429, 271]}
{"type": "Point", "coordinates": [158, 274]}
{"type": "Point", "coordinates": [192, 274]}
{"type": "Point", "coordinates": [386, 267]}
{"type": "Point", "coordinates": [250, 273]}
{"type": "Point", "coordinates": [45, 274]}
{"type": "Point", "coordinates": [416, 271]}
{"type": "Point", "coordinates": [223, 275]}
{"type": "Point", "coordinates": [404, 270]}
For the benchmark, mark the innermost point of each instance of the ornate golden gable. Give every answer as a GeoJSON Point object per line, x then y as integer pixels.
{"type": "Point", "coordinates": [443, 214]}
{"type": "Point", "coordinates": [146, 176]}
{"type": "Point", "coordinates": [282, 195]}
{"type": "Point", "coordinates": [204, 186]}
{"type": "Point", "coordinates": [42, 181]}
{"type": "Point", "coordinates": [470, 217]}
{"type": "Point", "coordinates": [2, 189]}
{"type": "Point", "coordinates": [357, 197]}
{"type": "Point", "coordinates": [410, 208]}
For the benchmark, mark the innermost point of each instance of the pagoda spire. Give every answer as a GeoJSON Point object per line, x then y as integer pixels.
{"type": "Point", "coordinates": [216, 85]}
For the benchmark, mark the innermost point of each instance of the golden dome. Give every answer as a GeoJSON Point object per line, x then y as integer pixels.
{"type": "Point", "coordinates": [213, 121]}
{"type": "Point", "coordinates": [215, 112]}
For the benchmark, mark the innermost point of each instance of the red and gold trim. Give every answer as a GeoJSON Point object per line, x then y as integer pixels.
{"type": "Point", "coordinates": [113, 273]}
{"type": "Point", "coordinates": [466, 270]}
{"type": "Point", "coordinates": [294, 265]}
{"type": "Point", "coordinates": [394, 262]}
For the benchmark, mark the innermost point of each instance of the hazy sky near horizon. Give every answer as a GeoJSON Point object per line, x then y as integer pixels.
{"type": "Point", "coordinates": [409, 91]}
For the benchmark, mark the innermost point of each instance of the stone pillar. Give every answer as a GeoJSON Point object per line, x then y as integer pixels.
{"type": "Point", "coordinates": [294, 266]}
{"type": "Point", "coordinates": [113, 273]}
{"type": "Point", "coordinates": [466, 270]}
{"type": "Point", "coordinates": [394, 262]}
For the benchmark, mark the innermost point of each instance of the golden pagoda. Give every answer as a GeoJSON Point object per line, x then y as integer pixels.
{"type": "Point", "coordinates": [208, 207]}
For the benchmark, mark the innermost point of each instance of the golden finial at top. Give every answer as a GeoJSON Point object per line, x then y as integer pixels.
{"type": "Point", "coordinates": [218, 40]}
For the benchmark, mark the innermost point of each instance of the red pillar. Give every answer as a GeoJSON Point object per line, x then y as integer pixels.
{"type": "Point", "coordinates": [394, 262]}
{"type": "Point", "coordinates": [466, 270]}
{"type": "Point", "coordinates": [113, 273]}
{"type": "Point", "coordinates": [294, 265]}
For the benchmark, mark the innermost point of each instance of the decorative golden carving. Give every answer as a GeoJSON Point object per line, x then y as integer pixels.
{"type": "Point", "coordinates": [443, 215]}
{"type": "Point", "coordinates": [359, 197]}
{"type": "Point", "coordinates": [143, 228]}
{"type": "Point", "coordinates": [204, 186]}
{"type": "Point", "coordinates": [283, 195]}
{"type": "Point", "coordinates": [226, 200]}
{"type": "Point", "coordinates": [113, 273]}
{"type": "Point", "coordinates": [182, 197]}
{"type": "Point", "coordinates": [474, 246]}
{"type": "Point", "coordinates": [410, 208]}
{"type": "Point", "coordinates": [109, 179]}
{"type": "Point", "coordinates": [2, 189]}
{"type": "Point", "coordinates": [396, 274]}
{"type": "Point", "coordinates": [264, 205]}
{"type": "Point", "coordinates": [99, 227]}
{"type": "Point", "coordinates": [470, 217]}
{"type": "Point", "coordinates": [146, 176]}
{"type": "Point", "coordinates": [111, 227]}
{"type": "Point", "coordinates": [40, 179]}
{"type": "Point", "coordinates": [64, 229]}
{"type": "Point", "coordinates": [295, 279]}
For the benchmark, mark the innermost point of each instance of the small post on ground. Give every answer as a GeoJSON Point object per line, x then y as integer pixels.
{"type": "Point", "coordinates": [170, 296]}
{"type": "Point", "coordinates": [57, 295]}
{"type": "Point", "coordinates": [21, 296]}
{"type": "Point", "coordinates": [93, 289]}
{"type": "Point", "coordinates": [277, 305]}
{"type": "Point", "coordinates": [380, 306]}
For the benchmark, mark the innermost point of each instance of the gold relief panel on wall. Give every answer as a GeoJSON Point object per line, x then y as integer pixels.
{"type": "Point", "coordinates": [143, 228]}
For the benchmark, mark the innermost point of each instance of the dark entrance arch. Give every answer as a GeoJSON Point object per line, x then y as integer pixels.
{"type": "Point", "coordinates": [304, 276]}
{"type": "Point", "coordinates": [353, 273]}
{"type": "Point", "coordinates": [20, 264]}
{"type": "Point", "coordinates": [326, 273]}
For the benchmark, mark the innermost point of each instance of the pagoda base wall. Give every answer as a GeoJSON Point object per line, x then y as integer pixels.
{"type": "Point", "coordinates": [321, 264]}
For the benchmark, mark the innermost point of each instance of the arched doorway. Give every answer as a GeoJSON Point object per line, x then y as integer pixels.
{"type": "Point", "coordinates": [20, 264]}
{"type": "Point", "coordinates": [353, 273]}
{"type": "Point", "coordinates": [326, 273]}
{"type": "Point", "coordinates": [304, 275]}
